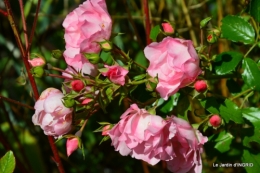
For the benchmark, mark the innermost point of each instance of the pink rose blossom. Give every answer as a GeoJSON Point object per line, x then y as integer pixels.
{"type": "Point", "coordinates": [85, 26]}
{"type": "Point", "coordinates": [151, 138]}
{"type": "Point", "coordinates": [176, 63]}
{"type": "Point", "coordinates": [116, 74]}
{"type": "Point", "coordinates": [50, 113]}
{"type": "Point", "coordinates": [37, 62]}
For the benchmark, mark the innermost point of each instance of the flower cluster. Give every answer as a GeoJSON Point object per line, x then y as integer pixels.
{"type": "Point", "coordinates": [91, 84]}
{"type": "Point", "coordinates": [151, 138]}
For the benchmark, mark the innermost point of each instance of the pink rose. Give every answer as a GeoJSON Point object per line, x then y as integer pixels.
{"type": "Point", "coordinates": [151, 138]}
{"type": "Point", "coordinates": [176, 63]}
{"type": "Point", "coordinates": [35, 62]}
{"type": "Point", "coordinates": [50, 113]}
{"type": "Point", "coordinates": [188, 146]}
{"type": "Point", "coordinates": [85, 26]}
{"type": "Point", "coordinates": [116, 74]}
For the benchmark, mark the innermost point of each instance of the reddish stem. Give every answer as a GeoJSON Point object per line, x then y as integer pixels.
{"type": "Point", "coordinates": [27, 66]}
{"type": "Point", "coordinates": [147, 21]}
{"type": "Point", "coordinates": [3, 12]}
{"type": "Point", "coordinates": [24, 25]}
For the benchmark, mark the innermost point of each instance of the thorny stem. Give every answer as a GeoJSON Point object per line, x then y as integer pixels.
{"type": "Point", "coordinates": [61, 70]}
{"type": "Point", "coordinates": [15, 102]}
{"type": "Point", "coordinates": [147, 21]}
{"type": "Point", "coordinates": [27, 66]}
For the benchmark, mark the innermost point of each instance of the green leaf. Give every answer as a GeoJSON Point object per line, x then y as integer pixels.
{"type": "Point", "coordinates": [223, 141]}
{"type": "Point", "coordinates": [7, 163]}
{"type": "Point", "coordinates": [154, 32]}
{"type": "Point", "coordinates": [254, 9]}
{"type": "Point", "coordinates": [225, 108]}
{"type": "Point", "coordinates": [236, 29]}
{"type": "Point", "coordinates": [227, 62]}
{"type": "Point", "coordinates": [251, 74]}
{"type": "Point", "coordinates": [251, 158]}
{"type": "Point", "coordinates": [252, 115]}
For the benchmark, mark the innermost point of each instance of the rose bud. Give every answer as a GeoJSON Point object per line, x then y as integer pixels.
{"type": "Point", "coordinates": [200, 86]}
{"type": "Point", "coordinates": [38, 71]}
{"type": "Point", "coordinates": [212, 38]}
{"type": "Point", "coordinates": [72, 144]}
{"type": "Point", "coordinates": [57, 54]}
{"type": "Point", "coordinates": [106, 46]}
{"type": "Point", "coordinates": [92, 57]}
{"type": "Point", "coordinates": [35, 62]}
{"type": "Point", "coordinates": [167, 28]}
{"type": "Point", "coordinates": [106, 130]}
{"type": "Point", "coordinates": [77, 85]}
{"type": "Point", "coordinates": [215, 121]}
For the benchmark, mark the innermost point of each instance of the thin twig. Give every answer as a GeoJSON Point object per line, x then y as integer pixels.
{"type": "Point", "coordinates": [15, 102]}
{"type": "Point", "coordinates": [24, 25]}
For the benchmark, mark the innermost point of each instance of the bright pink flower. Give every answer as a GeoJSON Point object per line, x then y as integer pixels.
{"type": "Point", "coordinates": [176, 63]}
{"type": "Point", "coordinates": [200, 86]}
{"type": "Point", "coordinates": [215, 121]}
{"type": "Point", "coordinates": [72, 145]}
{"type": "Point", "coordinates": [167, 28]}
{"type": "Point", "coordinates": [77, 85]}
{"type": "Point", "coordinates": [50, 113]}
{"type": "Point", "coordinates": [85, 26]}
{"type": "Point", "coordinates": [116, 74]}
{"type": "Point", "coordinates": [37, 62]}
{"type": "Point", "coordinates": [151, 138]}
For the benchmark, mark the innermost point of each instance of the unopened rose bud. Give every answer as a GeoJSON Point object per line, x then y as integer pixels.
{"type": "Point", "coordinates": [72, 145]}
{"type": "Point", "coordinates": [212, 38]}
{"type": "Point", "coordinates": [38, 71]}
{"type": "Point", "coordinates": [57, 54]}
{"type": "Point", "coordinates": [167, 28]}
{"type": "Point", "coordinates": [215, 121]}
{"type": "Point", "coordinates": [200, 86]}
{"type": "Point", "coordinates": [86, 101]}
{"type": "Point", "coordinates": [39, 61]}
{"type": "Point", "coordinates": [68, 102]}
{"type": "Point", "coordinates": [106, 130]}
{"type": "Point", "coordinates": [106, 45]}
{"type": "Point", "coordinates": [92, 57]}
{"type": "Point", "coordinates": [77, 85]}
{"type": "Point", "coordinates": [151, 84]}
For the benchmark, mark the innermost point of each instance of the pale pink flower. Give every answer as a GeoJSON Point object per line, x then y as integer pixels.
{"type": "Point", "coordinates": [85, 26]}
{"type": "Point", "coordinates": [151, 138]}
{"type": "Point", "coordinates": [116, 74]}
{"type": "Point", "coordinates": [50, 113]}
{"type": "Point", "coordinates": [35, 62]}
{"type": "Point", "coordinates": [176, 63]}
